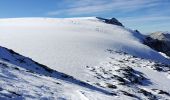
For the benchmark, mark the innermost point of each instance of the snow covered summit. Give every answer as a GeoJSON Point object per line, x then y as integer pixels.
{"type": "Point", "coordinates": [159, 41]}
{"type": "Point", "coordinates": [103, 55]}
{"type": "Point", "coordinates": [70, 43]}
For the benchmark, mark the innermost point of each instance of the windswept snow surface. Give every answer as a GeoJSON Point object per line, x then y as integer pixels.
{"type": "Point", "coordinates": [17, 83]}
{"type": "Point", "coordinates": [120, 76]}
{"type": "Point", "coordinates": [69, 45]}
{"type": "Point", "coordinates": [89, 60]}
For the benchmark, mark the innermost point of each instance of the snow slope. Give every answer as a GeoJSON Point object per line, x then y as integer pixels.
{"type": "Point", "coordinates": [120, 76]}
{"type": "Point", "coordinates": [78, 59]}
{"type": "Point", "coordinates": [22, 78]}
{"type": "Point", "coordinates": [68, 45]}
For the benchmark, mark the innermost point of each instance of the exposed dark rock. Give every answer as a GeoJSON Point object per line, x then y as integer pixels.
{"type": "Point", "coordinates": [161, 67]}
{"type": "Point", "coordinates": [111, 86]}
{"type": "Point", "coordinates": [45, 67]}
{"type": "Point", "coordinates": [2, 64]}
{"type": "Point", "coordinates": [159, 41]}
{"type": "Point", "coordinates": [16, 68]}
{"type": "Point", "coordinates": [136, 31]}
{"type": "Point", "coordinates": [113, 21]}
{"type": "Point", "coordinates": [13, 52]}
{"type": "Point", "coordinates": [14, 93]}
{"type": "Point", "coordinates": [133, 76]}
{"type": "Point", "coordinates": [129, 94]}
{"type": "Point", "coordinates": [161, 92]}
{"type": "Point", "coordinates": [66, 76]}
{"type": "Point", "coordinates": [164, 92]}
{"type": "Point", "coordinates": [148, 94]}
{"type": "Point", "coordinates": [120, 79]}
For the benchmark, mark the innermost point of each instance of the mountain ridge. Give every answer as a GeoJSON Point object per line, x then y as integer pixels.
{"type": "Point", "coordinates": [159, 41]}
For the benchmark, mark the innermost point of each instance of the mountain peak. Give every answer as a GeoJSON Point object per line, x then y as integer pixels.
{"type": "Point", "coordinates": [159, 41]}
{"type": "Point", "coordinates": [161, 35]}
{"type": "Point", "coordinates": [111, 21]}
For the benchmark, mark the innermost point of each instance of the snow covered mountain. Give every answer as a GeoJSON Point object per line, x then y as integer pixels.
{"type": "Point", "coordinates": [159, 41]}
{"type": "Point", "coordinates": [83, 59]}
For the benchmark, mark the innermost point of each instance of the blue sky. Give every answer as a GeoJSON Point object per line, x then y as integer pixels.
{"type": "Point", "coordinates": [144, 15]}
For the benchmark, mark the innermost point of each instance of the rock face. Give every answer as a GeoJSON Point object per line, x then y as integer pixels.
{"type": "Point", "coordinates": [111, 21]}
{"type": "Point", "coordinates": [159, 41]}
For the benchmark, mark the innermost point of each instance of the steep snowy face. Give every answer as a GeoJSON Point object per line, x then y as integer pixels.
{"type": "Point", "coordinates": [163, 36]}
{"type": "Point", "coordinates": [159, 41]}
{"type": "Point", "coordinates": [69, 45]}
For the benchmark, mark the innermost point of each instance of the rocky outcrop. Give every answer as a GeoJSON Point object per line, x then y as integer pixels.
{"type": "Point", "coordinates": [159, 41]}
{"type": "Point", "coordinates": [113, 21]}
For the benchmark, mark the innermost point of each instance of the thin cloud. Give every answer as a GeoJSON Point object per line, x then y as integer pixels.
{"type": "Point", "coordinates": [147, 24]}
{"type": "Point", "coordinates": [78, 7]}
{"type": "Point", "coordinates": [145, 19]}
{"type": "Point", "coordinates": [146, 15]}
